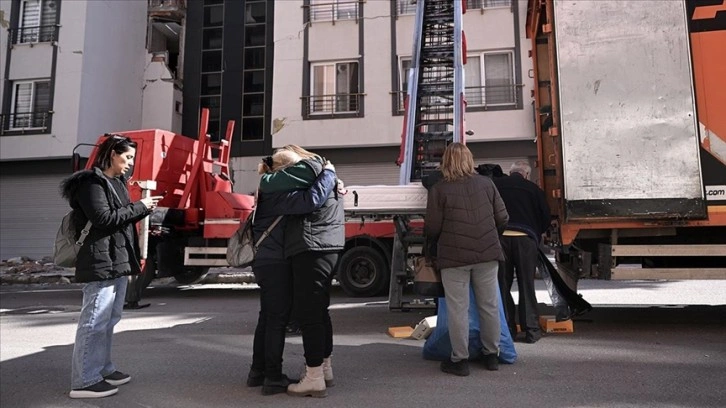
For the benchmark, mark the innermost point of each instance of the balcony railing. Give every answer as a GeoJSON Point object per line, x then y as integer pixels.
{"type": "Point", "coordinates": [36, 34]}
{"type": "Point", "coordinates": [492, 95]}
{"type": "Point", "coordinates": [404, 7]}
{"type": "Point", "coordinates": [476, 96]}
{"type": "Point", "coordinates": [337, 10]}
{"type": "Point", "coordinates": [19, 123]}
{"type": "Point", "coordinates": [339, 104]}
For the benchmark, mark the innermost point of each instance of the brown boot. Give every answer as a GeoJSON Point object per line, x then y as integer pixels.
{"type": "Point", "coordinates": [311, 385]}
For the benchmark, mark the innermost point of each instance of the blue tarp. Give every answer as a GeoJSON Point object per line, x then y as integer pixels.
{"type": "Point", "coordinates": [438, 344]}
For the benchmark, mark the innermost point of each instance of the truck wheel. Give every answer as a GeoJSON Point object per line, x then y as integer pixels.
{"type": "Point", "coordinates": [191, 275]}
{"type": "Point", "coordinates": [363, 272]}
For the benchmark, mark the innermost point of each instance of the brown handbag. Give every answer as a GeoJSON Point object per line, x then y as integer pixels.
{"type": "Point", "coordinates": [427, 278]}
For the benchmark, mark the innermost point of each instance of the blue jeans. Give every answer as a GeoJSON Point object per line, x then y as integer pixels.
{"type": "Point", "coordinates": [103, 302]}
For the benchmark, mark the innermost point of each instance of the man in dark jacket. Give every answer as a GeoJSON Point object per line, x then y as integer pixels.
{"type": "Point", "coordinates": [529, 218]}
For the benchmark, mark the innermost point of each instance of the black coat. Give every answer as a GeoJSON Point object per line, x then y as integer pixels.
{"type": "Point", "coordinates": [526, 204]}
{"type": "Point", "coordinates": [272, 205]}
{"type": "Point", "coordinates": [111, 249]}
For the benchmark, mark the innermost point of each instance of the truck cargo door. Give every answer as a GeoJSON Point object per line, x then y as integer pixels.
{"type": "Point", "coordinates": [627, 111]}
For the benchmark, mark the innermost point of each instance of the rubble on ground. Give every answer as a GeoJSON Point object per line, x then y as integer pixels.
{"type": "Point", "coordinates": [27, 270]}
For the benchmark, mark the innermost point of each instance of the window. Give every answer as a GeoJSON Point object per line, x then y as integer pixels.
{"type": "Point", "coordinates": [254, 99]}
{"type": "Point", "coordinates": [479, 4]}
{"type": "Point", "coordinates": [490, 79]}
{"type": "Point", "coordinates": [331, 10]}
{"type": "Point", "coordinates": [405, 7]}
{"type": "Point", "coordinates": [30, 107]}
{"type": "Point", "coordinates": [37, 21]}
{"type": "Point", "coordinates": [211, 73]}
{"type": "Point", "coordinates": [334, 88]}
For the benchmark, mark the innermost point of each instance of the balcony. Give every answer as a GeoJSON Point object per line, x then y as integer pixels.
{"type": "Point", "coordinates": [332, 11]}
{"type": "Point", "coordinates": [13, 124]}
{"type": "Point", "coordinates": [327, 106]}
{"type": "Point", "coordinates": [492, 96]}
{"type": "Point", "coordinates": [172, 9]}
{"type": "Point", "coordinates": [31, 35]}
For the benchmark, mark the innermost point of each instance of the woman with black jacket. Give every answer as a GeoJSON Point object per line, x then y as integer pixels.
{"type": "Point", "coordinates": [109, 254]}
{"type": "Point", "coordinates": [295, 191]}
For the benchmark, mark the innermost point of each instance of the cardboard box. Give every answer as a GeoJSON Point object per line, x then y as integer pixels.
{"type": "Point", "coordinates": [400, 332]}
{"type": "Point", "coordinates": [424, 328]}
{"type": "Point", "coordinates": [550, 325]}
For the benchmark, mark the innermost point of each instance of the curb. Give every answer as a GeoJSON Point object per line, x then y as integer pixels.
{"type": "Point", "coordinates": [213, 277]}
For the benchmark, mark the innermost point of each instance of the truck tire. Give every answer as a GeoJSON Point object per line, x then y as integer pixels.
{"type": "Point", "coordinates": [363, 272]}
{"type": "Point", "coordinates": [191, 275]}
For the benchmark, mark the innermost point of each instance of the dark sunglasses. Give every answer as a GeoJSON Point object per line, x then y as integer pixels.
{"type": "Point", "coordinates": [268, 161]}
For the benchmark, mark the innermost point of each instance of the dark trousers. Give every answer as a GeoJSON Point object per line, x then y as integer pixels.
{"type": "Point", "coordinates": [521, 258]}
{"type": "Point", "coordinates": [275, 281]}
{"type": "Point", "coordinates": [312, 273]}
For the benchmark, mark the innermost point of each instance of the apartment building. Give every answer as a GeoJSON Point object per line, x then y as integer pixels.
{"type": "Point", "coordinates": [71, 71]}
{"type": "Point", "coordinates": [329, 75]}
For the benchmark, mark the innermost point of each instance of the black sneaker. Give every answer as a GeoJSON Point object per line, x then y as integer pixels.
{"type": "Point", "coordinates": [117, 378]}
{"type": "Point", "coordinates": [460, 368]}
{"type": "Point", "coordinates": [532, 337]}
{"type": "Point", "coordinates": [271, 387]}
{"type": "Point", "coordinates": [491, 362]}
{"type": "Point", "coordinates": [97, 390]}
{"type": "Point", "coordinates": [255, 378]}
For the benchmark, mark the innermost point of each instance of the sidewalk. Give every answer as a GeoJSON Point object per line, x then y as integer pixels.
{"type": "Point", "coordinates": [21, 271]}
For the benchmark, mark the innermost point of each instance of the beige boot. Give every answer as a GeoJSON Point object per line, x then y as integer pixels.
{"type": "Point", "coordinates": [312, 384]}
{"type": "Point", "coordinates": [328, 372]}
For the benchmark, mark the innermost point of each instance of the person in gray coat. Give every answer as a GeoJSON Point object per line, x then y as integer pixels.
{"type": "Point", "coordinates": [466, 215]}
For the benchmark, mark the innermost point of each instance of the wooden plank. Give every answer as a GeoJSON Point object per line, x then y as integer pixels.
{"type": "Point", "coordinates": [625, 273]}
{"type": "Point", "coordinates": [669, 250]}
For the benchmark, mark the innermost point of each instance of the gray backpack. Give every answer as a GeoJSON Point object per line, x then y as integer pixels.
{"type": "Point", "coordinates": [65, 250]}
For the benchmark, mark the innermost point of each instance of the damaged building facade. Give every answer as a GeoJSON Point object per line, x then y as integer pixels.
{"type": "Point", "coordinates": [328, 75]}
{"type": "Point", "coordinates": [71, 71]}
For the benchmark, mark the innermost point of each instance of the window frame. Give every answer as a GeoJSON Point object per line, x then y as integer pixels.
{"type": "Point", "coordinates": [311, 113]}
{"type": "Point", "coordinates": [38, 36]}
{"type": "Point", "coordinates": [480, 55]}
{"type": "Point", "coordinates": [13, 99]}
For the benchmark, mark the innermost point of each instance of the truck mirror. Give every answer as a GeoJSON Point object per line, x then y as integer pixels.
{"type": "Point", "coordinates": [76, 162]}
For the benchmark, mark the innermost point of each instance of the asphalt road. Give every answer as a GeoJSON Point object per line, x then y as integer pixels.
{"type": "Point", "coordinates": [192, 348]}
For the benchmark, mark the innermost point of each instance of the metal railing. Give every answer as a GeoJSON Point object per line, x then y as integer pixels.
{"type": "Point", "coordinates": [492, 95]}
{"type": "Point", "coordinates": [476, 96]}
{"type": "Point", "coordinates": [404, 7]}
{"type": "Point", "coordinates": [483, 4]}
{"type": "Point", "coordinates": [335, 10]}
{"type": "Point", "coordinates": [24, 122]}
{"type": "Point", "coordinates": [332, 104]}
{"type": "Point", "coordinates": [24, 35]}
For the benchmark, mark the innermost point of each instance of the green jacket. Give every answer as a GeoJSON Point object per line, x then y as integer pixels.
{"type": "Point", "coordinates": [299, 176]}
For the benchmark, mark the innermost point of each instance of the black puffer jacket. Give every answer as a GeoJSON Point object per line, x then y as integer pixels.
{"type": "Point", "coordinates": [323, 230]}
{"type": "Point", "coordinates": [111, 249]}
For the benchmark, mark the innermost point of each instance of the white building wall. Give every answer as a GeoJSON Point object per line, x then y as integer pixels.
{"type": "Point", "coordinates": [113, 68]}
{"type": "Point", "coordinates": [159, 97]}
{"type": "Point", "coordinates": [68, 78]}
{"type": "Point", "coordinates": [490, 30]}
{"type": "Point", "coordinates": [4, 26]}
